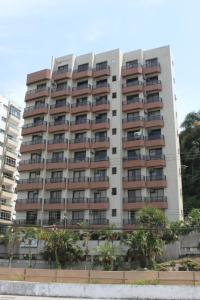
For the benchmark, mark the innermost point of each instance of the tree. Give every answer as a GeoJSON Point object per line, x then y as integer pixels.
{"type": "Point", "coordinates": [29, 234]}
{"type": "Point", "coordinates": [106, 256]}
{"type": "Point", "coordinates": [190, 120]}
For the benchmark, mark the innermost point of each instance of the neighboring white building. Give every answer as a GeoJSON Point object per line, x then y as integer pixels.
{"type": "Point", "coordinates": [100, 140]}
{"type": "Point", "coordinates": [10, 132]}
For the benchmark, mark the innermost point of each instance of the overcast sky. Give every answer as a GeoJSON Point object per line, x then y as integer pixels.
{"type": "Point", "coordinates": [32, 31]}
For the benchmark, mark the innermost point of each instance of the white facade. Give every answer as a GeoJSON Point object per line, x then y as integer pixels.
{"type": "Point", "coordinates": [136, 123]}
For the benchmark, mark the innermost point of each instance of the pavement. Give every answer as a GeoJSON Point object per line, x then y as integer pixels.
{"type": "Point", "coordinates": [7, 297]}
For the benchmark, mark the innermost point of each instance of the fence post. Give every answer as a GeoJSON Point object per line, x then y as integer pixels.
{"type": "Point", "coordinates": [124, 281]}
{"type": "Point", "coordinates": [194, 278]}
{"type": "Point", "coordinates": [24, 274]}
{"type": "Point", "coordinates": [89, 277]}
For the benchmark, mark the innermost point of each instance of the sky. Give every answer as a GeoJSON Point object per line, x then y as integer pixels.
{"type": "Point", "coordinates": [32, 31]}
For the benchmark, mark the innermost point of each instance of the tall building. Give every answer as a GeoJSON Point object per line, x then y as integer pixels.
{"type": "Point", "coordinates": [100, 140]}
{"type": "Point", "coordinates": [10, 130]}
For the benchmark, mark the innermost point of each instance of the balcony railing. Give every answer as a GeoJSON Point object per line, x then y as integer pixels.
{"type": "Point", "coordinates": [133, 138]}
{"type": "Point", "coordinates": [133, 119]}
{"type": "Point", "coordinates": [156, 199]}
{"type": "Point", "coordinates": [79, 140]}
{"type": "Point", "coordinates": [133, 83]}
{"type": "Point", "coordinates": [100, 121]}
{"type": "Point", "coordinates": [37, 106]}
{"type": "Point", "coordinates": [133, 101]}
{"type": "Point", "coordinates": [78, 122]}
{"type": "Point", "coordinates": [78, 179]}
{"type": "Point", "coordinates": [30, 180]}
{"type": "Point", "coordinates": [38, 90]}
{"type": "Point", "coordinates": [99, 200]}
{"type": "Point", "coordinates": [81, 87]}
{"type": "Point", "coordinates": [55, 180]}
{"type": "Point", "coordinates": [58, 141]}
{"type": "Point", "coordinates": [133, 199]}
{"type": "Point", "coordinates": [154, 118]}
{"type": "Point", "coordinates": [156, 177]}
{"type": "Point", "coordinates": [77, 200]}
{"type": "Point", "coordinates": [29, 201]}
{"type": "Point", "coordinates": [99, 221]}
{"type": "Point", "coordinates": [59, 105]}
{"type": "Point", "coordinates": [100, 85]}
{"type": "Point", "coordinates": [27, 222]}
{"type": "Point", "coordinates": [101, 67]}
{"type": "Point", "coordinates": [134, 157]}
{"type": "Point", "coordinates": [155, 137]}
{"type": "Point", "coordinates": [100, 139]}
{"type": "Point", "coordinates": [54, 200]}
{"type": "Point", "coordinates": [34, 142]}
{"type": "Point", "coordinates": [152, 82]}
{"type": "Point", "coordinates": [79, 104]}
{"type": "Point", "coordinates": [78, 160]}
{"type": "Point", "coordinates": [97, 159]}
{"type": "Point", "coordinates": [100, 102]}
{"type": "Point", "coordinates": [56, 160]}
{"type": "Point", "coordinates": [134, 178]}
{"type": "Point", "coordinates": [99, 178]}
{"type": "Point", "coordinates": [53, 222]}
{"type": "Point", "coordinates": [155, 157]}
{"type": "Point", "coordinates": [34, 124]}
{"type": "Point", "coordinates": [32, 161]}
{"type": "Point", "coordinates": [151, 64]}
{"type": "Point", "coordinates": [58, 122]}
{"type": "Point", "coordinates": [61, 71]}
{"type": "Point", "coordinates": [153, 99]}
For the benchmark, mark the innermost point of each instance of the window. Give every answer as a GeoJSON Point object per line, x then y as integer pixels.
{"type": "Point", "coordinates": [78, 195]}
{"type": "Point", "coordinates": [101, 174]}
{"type": "Point", "coordinates": [80, 156]}
{"type": "Point", "coordinates": [54, 195]}
{"type": "Point", "coordinates": [58, 136]}
{"type": "Point", "coordinates": [114, 78]}
{"type": "Point", "coordinates": [33, 194]}
{"type": "Point", "coordinates": [132, 194]}
{"type": "Point", "coordinates": [101, 65]}
{"type": "Point", "coordinates": [81, 119]}
{"type": "Point", "coordinates": [100, 118]}
{"type": "Point", "coordinates": [38, 120]}
{"type": "Point", "coordinates": [134, 153]}
{"type": "Point", "coordinates": [99, 194]}
{"type": "Point", "coordinates": [60, 103]}
{"type": "Point", "coordinates": [131, 81]}
{"type": "Point", "coordinates": [63, 68]}
{"type": "Point", "coordinates": [59, 120]}
{"type": "Point", "coordinates": [114, 95]}
{"type": "Point", "coordinates": [77, 175]}
{"type": "Point", "coordinates": [100, 155]}
{"type": "Point", "coordinates": [54, 215]}
{"type": "Point", "coordinates": [34, 175]}
{"type": "Point", "coordinates": [114, 191]}
{"type": "Point", "coordinates": [36, 157]}
{"type": "Point", "coordinates": [41, 87]}
{"type": "Point", "coordinates": [132, 98]}
{"type": "Point", "coordinates": [5, 215]}
{"type": "Point", "coordinates": [14, 111]}
{"type": "Point", "coordinates": [57, 156]}
{"type": "Point", "coordinates": [78, 215]}
{"type": "Point", "coordinates": [39, 103]}
{"type": "Point", "coordinates": [81, 101]}
{"type": "Point", "coordinates": [37, 138]}
{"type": "Point", "coordinates": [114, 150]}
{"type": "Point", "coordinates": [96, 215]}
{"type": "Point", "coordinates": [134, 173]}
{"type": "Point", "coordinates": [114, 113]}
{"type": "Point", "coordinates": [101, 83]}
{"type": "Point", "coordinates": [114, 170]}
{"type": "Point", "coordinates": [114, 131]}
{"type": "Point", "coordinates": [56, 174]}
{"type": "Point", "coordinates": [82, 84]}
{"type": "Point", "coordinates": [83, 67]}
{"type": "Point", "coordinates": [151, 62]}
{"type": "Point", "coordinates": [81, 136]}
{"type": "Point", "coordinates": [156, 193]}
{"type": "Point", "coordinates": [31, 216]}
{"type": "Point", "coordinates": [132, 64]}
{"type": "Point", "coordinates": [155, 152]}
{"type": "Point", "coordinates": [100, 136]}
{"type": "Point", "coordinates": [114, 212]}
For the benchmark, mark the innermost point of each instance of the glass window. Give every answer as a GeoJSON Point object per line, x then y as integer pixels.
{"type": "Point", "coordinates": [15, 112]}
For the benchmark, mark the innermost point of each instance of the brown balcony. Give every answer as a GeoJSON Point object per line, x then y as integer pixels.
{"type": "Point", "coordinates": [100, 124]}
{"type": "Point", "coordinates": [38, 76]}
{"type": "Point", "coordinates": [134, 203]}
{"type": "Point", "coordinates": [54, 204]}
{"type": "Point", "coordinates": [24, 222]}
{"type": "Point", "coordinates": [36, 145]}
{"type": "Point", "coordinates": [132, 69]}
{"type": "Point", "coordinates": [157, 202]}
{"type": "Point", "coordinates": [100, 143]}
{"type": "Point", "coordinates": [155, 161]}
{"type": "Point", "coordinates": [80, 107]}
{"type": "Point", "coordinates": [57, 144]}
{"type": "Point", "coordinates": [154, 121]}
{"type": "Point", "coordinates": [133, 182]}
{"type": "Point", "coordinates": [132, 87]}
{"type": "Point", "coordinates": [154, 85]}
{"type": "Point", "coordinates": [78, 163]}
{"type": "Point", "coordinates": [76, 144]}
{"type": "Point", "coordinates": [78, 183]}
{"type": "Point", "coordinates": [99, 222]}
{"type": "Point", "coordinates": [64, 73]}
{"type": "Point", "coordinates": [6, 206]}
{"type": "Point", "coordinates": [134, 161]}
{"type": "Point", "coordinates": [99, 163]}
{"type": "Point", "coordinates": [101, 105]}
{"type": "Point", "coordinates": [59, 108]}
{"type": "Point", "coordinates": [30, 184]}
{"type": "Point", "coordinates": [55, 183]}
{"type": "Point", "coordinates": [77, 204]}
{"type": "Point", "coordinates": [28, 204]}
{"type": "Point", "coordinates": [34, 128]}
{"type": "Point", "coordinates": [62, 125]}
{"type": "Point", "coordinates": [151, 68]}
{"type": "Point", "coordinates": [55, 163]}
{"type": "Point", "coordinates": [101, 71]}
{"type": "Point", "coordinates": [99, 182]}
{"type": "Point", "coordinates": [133, 122]}
{"type": "Point", "coordinates": [155, 141]}
{"type": "Point", "coordinates": [80, 125]}
{"type": "Point", "coordinates": [156, 182]}
{"type": "Point", "coordinates": [154, 102]}
{"type": "Point", "coordinates": [80, 74]}
{"type": "Point", "coordinates": [35, 110]}
{"type": "Point", "coordinates": [37, 93]}
{"type": "Point", "coordinates": [133, 142]}
{"type": "Point", "coordinates": [31, 164]}
{"type": "Point", "coordinates": [61, 92]}
{"type": "Point", "coordinates": [131, 105]}
{"type": "Point", "coordinates": [81, 90]}
{"type": "Point", "coordinates": [99, 203]}
{"type": "Point", "coordinates": [102, 88]}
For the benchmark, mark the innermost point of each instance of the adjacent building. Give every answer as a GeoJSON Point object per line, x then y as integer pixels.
{"type": "Point", "coordinates": [10, 130]}
{"type": "Point", "coordinates": [100, 140]}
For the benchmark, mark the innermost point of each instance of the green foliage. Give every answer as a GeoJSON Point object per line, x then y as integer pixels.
{"type": "Point", "coordinates": [147, 282]}
{"type": "Point", "coordinates": [106, 256]}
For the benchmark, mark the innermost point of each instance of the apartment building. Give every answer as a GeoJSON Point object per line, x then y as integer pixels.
{"type": "Point", "coordinates": [10, 130]}
{"type": "Point", "coordinates": [100, 140]}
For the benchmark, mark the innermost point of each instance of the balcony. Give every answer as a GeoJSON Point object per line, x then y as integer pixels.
{"type": "Point", "coordinates": [129, 224]}
{"type": "Point", "coordinates": [8, 180]}
{"type": "Point", "coordinates": [60, 125]}
{"type": "Point", "coordinates": [34, 128]}
{"type": "Point", "coordinates": [157, 202]}
{"type": "Point", "coordinates": [132, 182]}
{"type": "Point", "coordinates": [37, 93]}
{"type": "Point", "coordinates": [38, 76]}
{"type": "Point", "coordinates": [99, 163]}
{"type": "Point", "coordinates": [99, 182]}
{"type": "Point", "coordinates": [30, 184]}
{"type": "Point", "coordinates": [78, 163]}
{"type": "Point", "coordinates": [80, 107]}
{"type": "Point", "coordinates": [64, 73]}
{"type": "Point", "coordinates": [99, 203]}
{"type": "Point", "coordinates": [130, 105]}
{"type": "Point", "coordinates": [132, 69]}
{"type": "Point", "coordinates": [100, 143]}
{"type": "Point", "coordinates": [133, 122]}
{"type": "Point", "coordinates": [132, 87]}
{"type": "Point", "coordinates": [151, 68]}
{"type": "Point", "coordinates": [54, 204]}
{"type": "Point", "coordinates": [9, 165]}
{"type": "Point", "coordinates": [101, 106]}
{"type": "Point", "coordinates": [154, 140]}
{"type": "Point", "coordinates": [155, 161]}
{"type": "Point", "coordinates": [154, 121]}
{"type": "Point", "coordinates": [56, 163]}
{"type": "Point", "coordinates": [35, 110]}
{"type": "Point", "coordinates": [133, 142]}
{"type": "Point", "coordinates": [82, 143]}
{"type": "Point", "coordinates": [156, 181]}
{"type": "Point", "coordinates": [28, 204]}
{"type": "Point", "coordinates": [31, 164]}
{"type": "Point", "coordinates": [134, 161]}
{"type": "Point", "coordinates": [53, 222]}
{"type": "Point", "coordinates": [101, 71]}
{"type": "Point", "coordinates": [58, 183]}
{"type": "Point", "coordinates": [6, 205]}
{"type": "Point", "coordinates": [24, 222]}
{"type": "Point", "coordinates": [154, 102]}
{"type": "Point", "coordinates": [36, 145]}
{"type": "Point", "coordinates": [78, 183]}
{"type": "Point", "coordinates": [6, 194]}
{"type": "Point", "coordinates": [133, 203]}
{"type": "Point", "coordinates": [77, 203]}
{"type": "Point", "coordinates": [13, 130]}
{"type": "Point", "coordinates": [80, 125]}
{"type": "Point", "coordinates": [100, 124]}
{"type": "Point", "coordinates": [101, 88]}
{"type": "Point", "coordinates": [12, 143]}
{"type": "Point", "coordinates": [59, 108]}
{"type": "Point", "coordinates": [80, 74]}
{"type": "Point", "coordinates": [57, 144]}
{"type": "Point", "coordinates": [154, 85]}
{"type": "Point", "coordinates": [61, 92]}
{"type": "Point", "coordinates": [99, 222]}
{"type": "Point", "coordinates": [81, 90]}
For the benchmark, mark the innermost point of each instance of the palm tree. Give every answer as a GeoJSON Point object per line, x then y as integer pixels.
{"type": "Point", "coordinates": [30, 234]}
{"type": "Point", "coordinates": [106, 256]}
